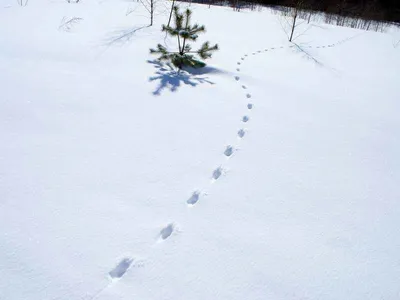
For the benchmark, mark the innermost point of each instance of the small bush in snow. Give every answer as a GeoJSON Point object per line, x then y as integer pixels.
{"type": "Point", "coordinates": [22, 2]}
{"type": "Point", "coordinates": [184, 32]}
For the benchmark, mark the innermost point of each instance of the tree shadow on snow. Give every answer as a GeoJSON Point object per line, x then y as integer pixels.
{"type": "Point", "coordinates": [122, 36]}
{"type": "Point", "coordinates": [204, 70]}
{"type": "Point", "coordinates": [309, 56]}
{"type": "Point", "coordinates": [171, 79]}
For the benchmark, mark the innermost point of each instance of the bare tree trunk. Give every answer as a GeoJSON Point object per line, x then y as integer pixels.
{"type": "Point", "coordinates": [294, 24]}
{"type": "Point", "coordinates": [170, 13]}
{"type": "Point", "coordinates": [151, 12]}
{"type": "Point", "coordinates": [149, 5]}
{"type": "Point", "coordinates": [179, 45]}
{"type": "Point", "coordinates": [368, 24]}
{"type": "Point", "coordinates": [184, 39]}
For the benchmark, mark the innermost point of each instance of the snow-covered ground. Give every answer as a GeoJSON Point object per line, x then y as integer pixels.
{"type": "Point", "coordinates": [271, 174]}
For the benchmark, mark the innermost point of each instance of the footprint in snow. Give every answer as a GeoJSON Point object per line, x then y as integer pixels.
{"type": "Point", "coordinates": [238, 62]}
{"type": "Point", "coordinates": [244, 87]}
{"type": "Point", "coordinates": [228, 151]}
{"type": "Point", "coordinates": [242, 58]}
{"type": "Point", "coordinates": [259, 51]}
{"type": "Point", "coordinates": [245, 119]}
{"type": "Point", "coordinates": [167, 231]}
{"type": "Point", "coordinates": [217, 173]}
{"type": "Point", "coordinates": [245, 55]}
{"type": "Point", "coordinates": [120, 269]}
{"type": "Point", "coordinates": [248, 96]}
{"type": "Point", "coordinates": [237, 78]}
{"type": "Point", "coordinates": [238, 69]}
{"type": "Point", "coordinates": [193, 199]}
{"type": "Point", "coordinates": [241, 133]}
{"type": "Point", "coordinates": [250, 106]}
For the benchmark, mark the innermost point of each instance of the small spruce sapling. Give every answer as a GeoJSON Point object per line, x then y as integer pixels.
{"type": "Point", "coordinates": [184, 32]}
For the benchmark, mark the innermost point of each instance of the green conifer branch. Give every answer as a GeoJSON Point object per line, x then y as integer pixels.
{"type": "Point", "coordinates": [184, 32]}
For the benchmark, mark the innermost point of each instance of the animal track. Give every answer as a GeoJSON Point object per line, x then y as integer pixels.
{"type": "Point", "coordinates": [120, 269]}
{"type": "Point", "coordinates": [241, 133]}
{"type": "Point", "coordinates": [228, 151]}
{"type": "Point", "coordinates": [193, 199]}
{"type": "Point", "coordinates": [217, 173]}
{"type": "Point", "coordinates": [167, 231]}
{"type": "Point", "coordinates": [126, 263]}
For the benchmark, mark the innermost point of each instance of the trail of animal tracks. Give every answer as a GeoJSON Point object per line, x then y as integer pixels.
{"type": "Point", "coordinates": [270, 174]}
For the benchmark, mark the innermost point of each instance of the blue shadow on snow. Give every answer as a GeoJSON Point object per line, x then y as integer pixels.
{"type": "Point", "coordinates": [172, 79]}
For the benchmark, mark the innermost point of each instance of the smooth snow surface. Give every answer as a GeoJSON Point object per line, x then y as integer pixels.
{"type": "Point", "coordinates": [273, 173]}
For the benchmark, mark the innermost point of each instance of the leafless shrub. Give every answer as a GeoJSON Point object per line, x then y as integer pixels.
{"type": "Point", "coordinates": [292, 17]}
{"type": "Point", "coordinates": [22, 2]}
{"type": "Point", "coordinates": [367, 19]}
{"type": "Point", "coordinates": [149, 5]}
{"type": "Point", "coordinates": [356, 22]}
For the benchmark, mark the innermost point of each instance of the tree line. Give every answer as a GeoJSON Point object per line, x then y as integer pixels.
{"type": "Point", "coordinates": [375, 10]}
